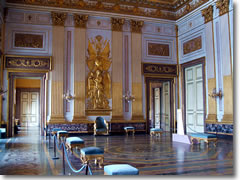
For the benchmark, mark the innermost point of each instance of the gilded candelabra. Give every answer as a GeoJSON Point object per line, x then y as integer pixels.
{"type": "Point", "coordinates": [68, 96]}
{"type": "Point", "coordinates": [214, 94]}
{"type": "Point", "coordinates": [128, 97]}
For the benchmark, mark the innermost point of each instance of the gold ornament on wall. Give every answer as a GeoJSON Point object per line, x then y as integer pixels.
{"type": "Point", "coordinates": [207, 13]}
{"type": "Point", "coordinates": [117, 24]}
{"type": "Point", "coordinates": [58, 19]}
{"type": "Point", "coordinates": [136, 26]}
{"type": "Point", "coordinates": [98, 78]}
{"type": "Point", "coordinates": [223, 6]}
{"type": "Point", "coordinates": [80, 20]}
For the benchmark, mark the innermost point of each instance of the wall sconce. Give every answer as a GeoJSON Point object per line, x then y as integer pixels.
{"type": "Point", "coordinates": [128, 97]}
{"type": "Point", "coordinates": [68, 96]}
{"type": "Point", "coordinates": [2, 91]}
{"type": "Point", "coordinates": [214, 94]}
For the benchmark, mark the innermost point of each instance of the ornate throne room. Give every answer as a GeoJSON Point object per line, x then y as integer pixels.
{"type": "Point", "coordinates": [116, 87]}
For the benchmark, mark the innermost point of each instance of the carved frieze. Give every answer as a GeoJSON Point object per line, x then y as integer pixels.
{"type": "Point", "coordinates": [117, 24]}
{"type": "Point", "coordinates": [155, 49]}
{"type": "Point", "coordinates": [159, 69]}
{"type": "Point", "coordinates": [58, 19]}
{"type": "Point", "coordinates": [207, 13]}
{"type": "Point", "coordinates": [192, 45]}
{"type": "Point", "coordinates": [80, 20]}
{"type": "Point", "coordinates": [136, 26]}
{"type": "Point", "coordinates": [28, 40]}
{"type": "Point", "coordinates": [223, 6]}
{"type": "Point", "coordinates": [171, 10]}
{"type": "Point", "coordinates": [27, 62]}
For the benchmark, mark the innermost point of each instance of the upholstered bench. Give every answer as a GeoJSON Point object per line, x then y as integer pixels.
{"type": "Point", "coordinates": [74, 142]}
{"type": "Point", "coordinates": [156, 131]}
{"type": "Point", "coordinates": [203, 136]}
{"type": "Point", "coordinates": [62, 134]}
{"type": "Point", "coordinates": [90, 153]}
{"type": "Point", "coordinates": [120, 169]}
{"type": "Point", "coordinates": [129, 129]}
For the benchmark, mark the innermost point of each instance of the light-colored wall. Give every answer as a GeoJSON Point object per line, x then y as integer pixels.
{"type": "Point", "coordinates": [28, 83]}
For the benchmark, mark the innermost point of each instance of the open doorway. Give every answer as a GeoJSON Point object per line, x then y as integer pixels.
{"type": "Point", "coordinates": [159, 104]}
{"type": "Point", "coordinates": [27, 102]}
{"type": "Point", "coordinates": [27, 107]}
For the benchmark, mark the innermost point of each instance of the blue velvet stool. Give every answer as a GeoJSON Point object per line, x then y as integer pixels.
{"type": "Point", "coordinates": [74, 142]}
{"type": "Point", "coordinates": [203, 136]}
{"type": "Point", "coordinates": [156, 131]}
{"type": "Point", "coordinates": [62, 134]}
{"type": "Point", "coordinates": [120, 169]}
{"type": "Point", "coordinates": [129, 129]}
{"type": "Point", "coordinates": [90, 153]}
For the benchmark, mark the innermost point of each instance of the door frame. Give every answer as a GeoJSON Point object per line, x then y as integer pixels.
{"type": "Point", "coordinates": [148, 80]}
{"type": "Point", "coordinates": [16, 75]}
{"type": "Point", "coordinates": [183, 67]}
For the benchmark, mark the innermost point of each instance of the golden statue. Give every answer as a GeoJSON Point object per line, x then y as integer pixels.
{"type": "Point", "coordinates": [98, 79]}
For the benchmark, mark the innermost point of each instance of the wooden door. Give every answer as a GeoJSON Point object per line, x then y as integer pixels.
{"type": "Point", "coordinates": [29, 113]}
{"type": "Point", "coordinates": [194, 99]}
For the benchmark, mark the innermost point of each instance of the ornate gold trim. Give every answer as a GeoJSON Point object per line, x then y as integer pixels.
{"type": "Point", "coordinates": [98, 112]}
{"type": "Point", "coordinates": [223, 6]}
{"type": "Point", "coordinates": [136, 26]}
{"type": "Point", "coordinates": [80, 20]}
{"type": "Point", "coordinates": [117, 24]}
{"type": "Point", "coordinates": [28, 63]}
{"type": "Point", "coordinates": [58, 18]}
{"type": "Point", "coordinates": [207, 13]}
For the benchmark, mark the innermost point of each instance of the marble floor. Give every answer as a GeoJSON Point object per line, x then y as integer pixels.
{"type": "Point", "coordinates": [28, 153]}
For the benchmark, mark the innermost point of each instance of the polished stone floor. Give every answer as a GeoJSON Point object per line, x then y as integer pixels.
{"type": "Point", "coordinates": [30, 154]}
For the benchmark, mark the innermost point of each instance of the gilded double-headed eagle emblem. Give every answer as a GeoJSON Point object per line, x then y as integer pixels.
{"type": "Point", "coordinates": [98, 79]}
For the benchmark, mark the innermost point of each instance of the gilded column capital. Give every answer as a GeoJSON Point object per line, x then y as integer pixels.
{"type": "Point", "coordinates": [58, 18]}
{"type": "Point", "coordinates": [117, 24]}
{"type": "Point", "coordinates": [223, 6]}
{"type": "Point", "coordinates": [136, 26]}
{"type": "Point", "coordinates": [207, 13]}
{"type": "Point", "coordinates": [80, 20]}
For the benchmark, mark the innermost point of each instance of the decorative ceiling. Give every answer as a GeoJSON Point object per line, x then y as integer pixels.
{"type": "Point", "coordinates": [161, 9]}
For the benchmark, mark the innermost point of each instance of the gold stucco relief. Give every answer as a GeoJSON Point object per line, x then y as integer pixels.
{"type": "Point", "coordinates": [98, 78]}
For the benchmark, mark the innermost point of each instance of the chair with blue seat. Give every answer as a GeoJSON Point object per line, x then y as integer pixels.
{"type": "Point", "coordinates": [203, 136]}
{"type": "Point", "coordinates": [120, 169]}
{"type": "Point", "coordinates": [92, 153]}
{"type": "Point", "coordinates": [74, 142]}
{"type": "Point", "coordinates": [101, 126]}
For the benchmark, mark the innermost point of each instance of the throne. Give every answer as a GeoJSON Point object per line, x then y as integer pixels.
{"type": "Point", "coordinates": [100, 126]}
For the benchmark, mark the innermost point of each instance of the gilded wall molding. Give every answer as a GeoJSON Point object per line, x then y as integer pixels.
{"type": "Point", "coordinates": [28, 40]}
{"type": "Point", "coordinates": [136, 26]}
{"type": "Point", "coordinates": [207, 13]}
{"type": "Point", "coordinates": [32, 63]}
{"type": "Point", "coordinates": [80, 20]}
{"type": "Point", "coordinates": [58, 19]}
{"type": "Point", "coordinates": [117, 24]}
{"type": "Point", "coordinates": [192, 45]}
{"type": "Point", "coordinates": [223, 6]}
{"type": "Point", "coordinates": [159, 69]}
{"type": "Point", "coordinates": [155, 49]}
